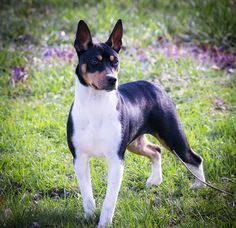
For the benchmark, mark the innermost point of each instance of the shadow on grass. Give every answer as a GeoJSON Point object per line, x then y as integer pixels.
{"type": "Point", "coordinates": [50, 216]}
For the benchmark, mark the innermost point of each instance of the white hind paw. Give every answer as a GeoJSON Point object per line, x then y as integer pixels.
{"type": "Point", "coordinates": [196, 185]}
{"type": "Point", "coordinates": [153, 181]}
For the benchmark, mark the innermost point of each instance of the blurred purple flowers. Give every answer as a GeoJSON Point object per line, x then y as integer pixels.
{"type": "Point", "coordinates": [216, 57]}
{"type": "Point", "coordinates": [18, 74]}
{"type": "Point", "coordinates": [65, 53]}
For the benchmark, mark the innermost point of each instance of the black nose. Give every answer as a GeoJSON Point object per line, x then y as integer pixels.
{"type": "Point", "coordinates": [111, 80]}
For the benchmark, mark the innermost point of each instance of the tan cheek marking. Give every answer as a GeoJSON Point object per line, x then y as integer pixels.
{"type": "Point", "coordinates": [97, 79]}
{"type": "Point", "coordinates": [84, 72]}
{"type": "Point", "coordinates": [99, 57]}
{"type": "Point", "coordinates": [84, 68]}
{"type": "Point", "coordinates": [112, 58]}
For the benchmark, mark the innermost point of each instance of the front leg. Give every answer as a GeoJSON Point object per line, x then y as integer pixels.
{"type": "Point", "coordinates": [82, 171]}
{"type": "Point", "coordinates": [115, 174]}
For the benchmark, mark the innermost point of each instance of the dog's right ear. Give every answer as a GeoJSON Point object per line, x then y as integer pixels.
{"type": "Point", "coordinates": [83, 39]}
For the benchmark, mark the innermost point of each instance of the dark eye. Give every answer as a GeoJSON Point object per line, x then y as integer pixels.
{"type": "Point", "coordinates": [94, 61]}
{"type": "Point", "coordinates": [114, 62]}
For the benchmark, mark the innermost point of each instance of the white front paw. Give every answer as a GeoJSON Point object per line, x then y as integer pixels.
{"type": "Point", "coordinates": [103, 224]}
{"type": "Point", "coordinates": [105, 218]}
{"type": "Point", "coordinates": [89, 208]}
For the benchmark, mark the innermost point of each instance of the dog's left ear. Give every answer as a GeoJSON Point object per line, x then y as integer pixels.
{"type": "Point", "coordinates": [115, 39]}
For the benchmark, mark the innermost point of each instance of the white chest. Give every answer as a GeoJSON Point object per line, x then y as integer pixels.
{"type": "Point", "coordinates": [97, 128]}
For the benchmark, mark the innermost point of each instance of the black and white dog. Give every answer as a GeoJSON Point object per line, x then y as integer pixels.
{"type": "Point", "coordinates": [105, 119]}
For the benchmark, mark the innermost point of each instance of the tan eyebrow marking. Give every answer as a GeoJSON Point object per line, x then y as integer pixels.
{"type": "Point", "coordinates": [84, 68]}
{"type": "Point", "coordinates": [112, 57]}
{"type": "Point", "coordinates": [99, 57]}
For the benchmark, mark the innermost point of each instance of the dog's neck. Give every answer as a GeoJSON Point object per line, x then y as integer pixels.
{"type": "Point", "coordinates": [88, 96]}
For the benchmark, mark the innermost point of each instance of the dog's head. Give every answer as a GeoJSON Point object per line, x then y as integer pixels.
{"type": "Point", "coordinates": [98, 63]}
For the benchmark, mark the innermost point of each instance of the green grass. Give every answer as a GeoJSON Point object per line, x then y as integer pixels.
{"type": "Point", "coordinates": [37, 182]}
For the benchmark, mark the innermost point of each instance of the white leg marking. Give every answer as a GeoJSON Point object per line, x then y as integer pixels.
{"type": "Point", "coordinates": [82, 171]}
{"type": "Point", "coordinates": [156, 176]}
{"type": "Point", "coordinates": [198, 171]}
{"type": "Point", "coordinates": [115, 173]}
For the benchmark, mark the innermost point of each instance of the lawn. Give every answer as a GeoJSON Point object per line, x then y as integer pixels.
{"type": "Point", "coordinates": [188, 48]}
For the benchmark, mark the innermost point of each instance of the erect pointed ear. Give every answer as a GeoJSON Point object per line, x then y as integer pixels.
{"type": "Point", "coordinates": [83, 39]}
{"type": "Point", "coordinates": [115, 39]}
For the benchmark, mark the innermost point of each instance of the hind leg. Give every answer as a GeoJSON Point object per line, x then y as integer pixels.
{"type": "Point", "coordinates": [166, 127]}
{"type": "Point", "coordinates": [198, 171]}
{"type": "Point", "coordinates": [143, 147]}
{"type": "Point", "coordinates": [194, 163]}
{"type": "Point", "coordinates": [182, 149]}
